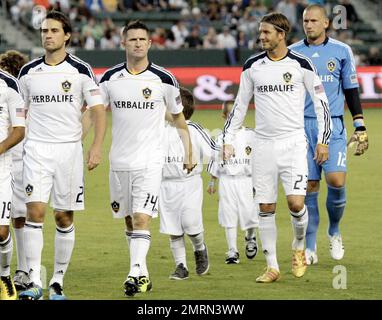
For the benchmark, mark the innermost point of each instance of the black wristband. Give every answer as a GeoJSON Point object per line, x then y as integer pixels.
{"type": "Point", "coordinates": [353, 102]}
{"type": "Point", "coordinates": [361, 128]}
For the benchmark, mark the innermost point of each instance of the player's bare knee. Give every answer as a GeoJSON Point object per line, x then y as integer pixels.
{"type": "Point", "coordinates": [336, 179]}
{"type": "Point", "coordinates": [313, 186]}
{"type": "Point", "coordinates": [63, 219]}
{"type": "Point", "coordinates": [18, 223]}
{"type": "Point", "coordinates": [267, 207]}
{"type": "Point", "coordinates": [36, 212]}
{"type": "Point", "coordinates": [296, 206]}
{"type": "Point", "coordinates": [4, 232]}
{"type": "Point", "coordinates": [141, 221]}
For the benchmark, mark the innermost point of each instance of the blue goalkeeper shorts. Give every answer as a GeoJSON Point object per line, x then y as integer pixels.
{"type": "Point", "coordinates": [337, 148]}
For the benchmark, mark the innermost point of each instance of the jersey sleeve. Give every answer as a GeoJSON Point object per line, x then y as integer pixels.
{"type": "Point", "coordinates": [104, 93]}
{"type": "Point", "coordinates": [24, 90]}
{"type": "Point", "coordinates": [213, 168]}
{"type": "Point", "coordinates": [239, 110]}
{"type": "Point", "coordinates": [348, 70]}
{"type": "Point", "coordinates": [213, 164]}
{"type": "Point", "coordinates": [16, 108]}
{"type": "Point", "coordinates": [316, 90]}
{"type": "Point", "coordinates": [172, 98]}
{"type": "Point", "coordinates": [206, 144]}
{"type": "Point", "coordinates": [91, 91]}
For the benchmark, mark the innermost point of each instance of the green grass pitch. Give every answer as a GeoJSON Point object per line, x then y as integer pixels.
{"type": "Point", "coordinates": [100, 259]}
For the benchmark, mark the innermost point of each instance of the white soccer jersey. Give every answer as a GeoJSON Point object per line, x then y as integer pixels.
{"type": "Point", "coordinates": [241, 163]}
{"type": "Point", "coordinates": [138, 104]}
{"type": "Point", "coordinates": [12, 113]}
{"type": "Point", "coordinates": [54, 97]}
{"type": "Point", "coordinates": [203, 148]}
{"type": "Point", "coordinates": [279, 89]}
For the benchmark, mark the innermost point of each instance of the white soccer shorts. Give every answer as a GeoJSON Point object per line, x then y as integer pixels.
{"type": "Point", "coordinates": [236, 202]}
{"type": "Point", "coordinates": [5, 189]}
{"type": "Point", "coordinates": [285, 158]}
{"type": "Point", "coordinates": [54, 170]}
{"type": "Point", "coordinates": [135, 191]}
{"type": "Point", "coordinates": [180, 206]}
{"type": "Point", "coordinates": [19, 209]}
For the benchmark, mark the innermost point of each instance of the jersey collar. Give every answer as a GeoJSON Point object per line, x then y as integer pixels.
{"type": "Point", "coordinates": [280, 58]}
{"type": "Point", "coordinates": [324, 43]}
{"type": "Point", "coordinates": [134, 74]}
{"type": "Point", "coordinates": [53, 65]}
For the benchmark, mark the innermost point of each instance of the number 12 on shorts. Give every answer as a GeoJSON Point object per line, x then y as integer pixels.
{"type": "Point", "coordinates": [341, 162]}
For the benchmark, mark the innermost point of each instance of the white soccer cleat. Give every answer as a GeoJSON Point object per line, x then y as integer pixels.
{"type": "Point", "coordinates": [311, 257]}
{"type": "Point", "coordinates": [336, 248]}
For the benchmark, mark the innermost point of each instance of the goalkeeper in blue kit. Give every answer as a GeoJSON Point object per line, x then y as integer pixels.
{"type": "Point", "coordinates": [335, 65]}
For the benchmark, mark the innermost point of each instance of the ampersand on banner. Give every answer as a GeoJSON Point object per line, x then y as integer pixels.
{"type": "Point", "coordinates": [209, 88]}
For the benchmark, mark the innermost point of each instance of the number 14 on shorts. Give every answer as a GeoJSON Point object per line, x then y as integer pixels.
{"type": "Point", "coordinates": [151, 199]}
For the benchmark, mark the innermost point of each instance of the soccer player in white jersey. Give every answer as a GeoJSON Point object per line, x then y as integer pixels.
{"type": "Point", "coordinates": [236, 203]}
{"type": "Point", "coordinates": [139, 92]}
{"type": "Point", "coordinates": [12, 115]}
{"type": "Point", "coordinates": [12, 61]}
{"type": "Point", "coordinates": [335, 64]}
{"type": "Point", "coordinates": [279, 78]}
{"type": "Point", "coordinates": [55, 87]}
{"type": "Point", "coordinates": [181, 194]}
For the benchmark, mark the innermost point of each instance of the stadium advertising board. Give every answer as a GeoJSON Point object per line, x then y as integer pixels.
{"type": "Point", "coordinates": [213, 85]}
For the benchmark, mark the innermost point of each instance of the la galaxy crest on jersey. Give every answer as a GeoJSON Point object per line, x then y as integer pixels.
{"type": "Point", "coordinates": [115, 206]}
{"type": "Point", "coordinates": [146, 93]}
{"type": "Point", "coordinates": [287, 77]}
{"type": "Point", "coordinates": [66, 85]}
{"type": "Point", "coordinates": [248, 150]}
{"type": "Point", "coordinates": [331, 65]}
{"type": "Point", "coordinates": [29, 190]}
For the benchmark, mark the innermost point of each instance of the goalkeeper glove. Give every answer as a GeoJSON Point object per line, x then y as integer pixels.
{"type": "Point", "coordinates": [360, 140]}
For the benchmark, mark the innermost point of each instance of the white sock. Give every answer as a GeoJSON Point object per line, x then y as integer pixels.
{"type": "Point", "coordinates": [198, 241]}
{"type": "Point", "coordinates": [144, 271]}
{"type": "Point", "coordinates": [231, 237]}
{"type": "Point", "coordinates": [299, 224]}
{"type": "Point", "coordinates": [20, 249]}
{"type": "Point", "coordinates": [250, 233]}
{"type": "Point", "coordinates": [139, 247]}
{"type": "Point", "coordinates": [64, 244]}
{"type": "Point", "coordinates": [6, 249]}
{"type": "Point", "coordinates": [128, 237]}
{"type": "Point", "coordinates": [178, 249]}
{"type": "Point", "coordinates": [34, 242]}
{"type": "Point", "coordinates": [268, 237]}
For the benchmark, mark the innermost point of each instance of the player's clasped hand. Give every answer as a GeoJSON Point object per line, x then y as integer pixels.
{"type": "Point", "coordinates": [359, 139]}
{"type": "Point", "coordinates": [94, 157]}
{"type": "Point", "coordinates": [189, 167]}
{"type": "Point", "coordinates": [321, 154]}
{"type": "Point", "coordinates": [228, 151]}
{"type": "Point", "coordinates": [211, 187]}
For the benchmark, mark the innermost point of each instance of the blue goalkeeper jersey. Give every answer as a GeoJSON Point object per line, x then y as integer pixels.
{"type": "Point", "coordinates": [335, 65]}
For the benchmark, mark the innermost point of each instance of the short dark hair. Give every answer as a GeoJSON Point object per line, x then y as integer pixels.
{"type": "Point", "coordinates": [227, 104]}
{"type": "Point", "coordinates": [188, 103]}
{"type": "Point", "coordinates": [11, 61]}
{"type": "Point", "coordinates": [66, 25]}
{"type": "Point", "coordinates": [136, 24]}
{"type": "Point", "coordinates": [278, 20]}
{"type": "Point", "coordinates": [318, 7]}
